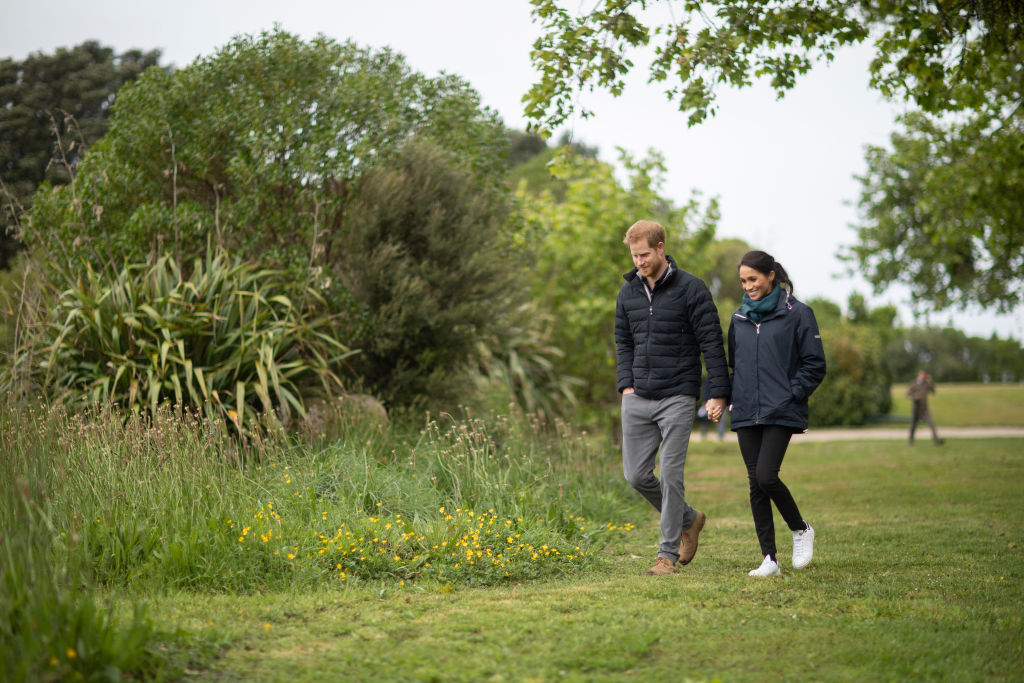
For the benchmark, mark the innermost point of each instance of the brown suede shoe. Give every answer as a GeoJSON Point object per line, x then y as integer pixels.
{"type": "Point", "coordinates": [662, 566]}
{"type": "Point", "coordinates": [688, 541]}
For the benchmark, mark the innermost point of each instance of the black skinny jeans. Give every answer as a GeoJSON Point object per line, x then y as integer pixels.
{"type": "Point", "coordinates": [763, 449]}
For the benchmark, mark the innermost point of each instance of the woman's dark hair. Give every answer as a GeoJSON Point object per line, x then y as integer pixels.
{"type": "Point", "coordinates": [765, 263]}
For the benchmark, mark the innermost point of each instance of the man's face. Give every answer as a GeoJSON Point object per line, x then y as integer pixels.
{"type": "Point", "coordinates": [649, 261]}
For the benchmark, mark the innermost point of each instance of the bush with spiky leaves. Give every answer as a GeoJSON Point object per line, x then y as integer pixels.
{"type": "Point", "coordinates": [227, 340]}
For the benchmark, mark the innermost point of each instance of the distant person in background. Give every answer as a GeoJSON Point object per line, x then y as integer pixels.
{"type": "Point", "coordinates": [918, 392]}
{"type": "Point", "coordinates": [777, 361]}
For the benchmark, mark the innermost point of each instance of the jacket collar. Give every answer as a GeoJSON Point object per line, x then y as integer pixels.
{"type": "Point", "coordinates": [785, 304]}
{"type": "Point", "coordinates": [669, 272]}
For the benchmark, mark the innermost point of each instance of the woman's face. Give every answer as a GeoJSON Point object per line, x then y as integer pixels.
{"type": "Point", "coordinates": [756, 284]}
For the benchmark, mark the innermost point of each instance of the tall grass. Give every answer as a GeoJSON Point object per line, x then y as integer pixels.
{"type": "Point", "coordinates": [52, 625]}
{"type": "Point", "coordinates": [130, 502]}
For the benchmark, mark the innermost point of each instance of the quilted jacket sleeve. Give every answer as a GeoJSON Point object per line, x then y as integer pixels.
{"type": "Point", "coordinates": [623, 347]}
{"type": "Point", "coordinates": [708, 329]}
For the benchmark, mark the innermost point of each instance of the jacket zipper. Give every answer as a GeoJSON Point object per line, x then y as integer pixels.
{"type": "Point", "coordinates": [650, 321]}
{"type": "Point", "coordinates": [757, 364]}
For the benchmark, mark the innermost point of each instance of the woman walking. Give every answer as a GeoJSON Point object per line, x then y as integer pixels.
{"type": "Point", "coordinates": [777, 360]}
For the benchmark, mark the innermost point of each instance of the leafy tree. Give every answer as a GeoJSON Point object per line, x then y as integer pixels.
{"type": "Point", "coordinates": [52, 106]}
{"type": "Point", "coordinates": [827, 313]}
{"type": "Point", "coordinates": [881, 318]}
{"type": "Point", "coordinates": [256, 147]}
{"type": "Point", "coordinates": [523, 146]}
{"type": "Point", "coordinates": [580, 257]}
{"type": "Point", "coordinates": [942, 211]}
{"type": "Point", "coordinates": [536, 170]}
{"type": "Point", "coordinates": [943, 208]}
{"type": "Point", "coordinates": [944, 55]}
{"type": "Point", "coordinates": [996, 360]}
{"type": "Point", "coordinates": [722, 276]}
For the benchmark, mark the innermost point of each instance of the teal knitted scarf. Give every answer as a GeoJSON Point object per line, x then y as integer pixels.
{"type": "Point", "coordinates": [757, 309]}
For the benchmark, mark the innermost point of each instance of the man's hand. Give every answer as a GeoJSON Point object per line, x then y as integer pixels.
{"type": "Point", "coordinates": [715, 408]}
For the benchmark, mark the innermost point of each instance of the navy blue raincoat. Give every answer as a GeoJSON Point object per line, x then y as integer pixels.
{"type": "Point", "coordinates": [775, 366]}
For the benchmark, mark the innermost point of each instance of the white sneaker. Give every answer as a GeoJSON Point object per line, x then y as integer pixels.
{"type": "Point", "coordinates": [803, 547]}
{"type": "Point", "coordinates": [768, 568]}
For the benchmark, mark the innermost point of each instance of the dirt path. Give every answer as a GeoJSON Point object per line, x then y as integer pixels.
{"type": "Point", "coordinates": [922, 436]}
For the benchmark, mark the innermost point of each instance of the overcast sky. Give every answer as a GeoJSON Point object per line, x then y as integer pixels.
{"type": "Point", "coordinates": [783, 170]}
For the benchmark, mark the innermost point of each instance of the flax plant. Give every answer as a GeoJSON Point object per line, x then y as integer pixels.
{"type": "Point", "coordinates": [224, 340]}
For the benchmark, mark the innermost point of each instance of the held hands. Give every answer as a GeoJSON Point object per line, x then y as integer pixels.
{"type": "Point", "coordinates": [715, 408]}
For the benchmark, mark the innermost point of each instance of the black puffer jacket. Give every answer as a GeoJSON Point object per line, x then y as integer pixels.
{"type": "Point", "coordinates": [775, 365]}
{"type": "Point", "coordinates": [660, 341]}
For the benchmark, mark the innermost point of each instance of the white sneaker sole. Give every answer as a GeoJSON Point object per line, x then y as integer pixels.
{"type": "Point", "coordinates": [759, 574]}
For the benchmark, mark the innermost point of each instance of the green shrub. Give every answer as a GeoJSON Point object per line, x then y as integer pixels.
{"type": "Point", "coordinates": [425, 256]}
{"type": "Point", "coordinates": [522, 367]}
{"type": "Point", "coordinates": [226, 342]}
{"type": "Point", "coordinates": [856, 386]}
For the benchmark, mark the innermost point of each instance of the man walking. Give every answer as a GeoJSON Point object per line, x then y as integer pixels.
{"type": "Point", "coordinates": [665, 321]}
{"type": "Point", "coordinates": [918, 393]}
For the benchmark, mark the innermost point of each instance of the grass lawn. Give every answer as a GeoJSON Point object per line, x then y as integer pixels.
{"type": "Point", "coordinates": [967, 405]}
{"type": "Point", "coordinates": [918, 573]}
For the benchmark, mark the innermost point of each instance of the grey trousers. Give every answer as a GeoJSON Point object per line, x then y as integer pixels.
{"type": "Point", "coordinates": [648, 424]}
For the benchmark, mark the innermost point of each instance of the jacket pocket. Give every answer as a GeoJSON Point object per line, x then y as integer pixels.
{"type": "Point", "coordinates": [776, 394]}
